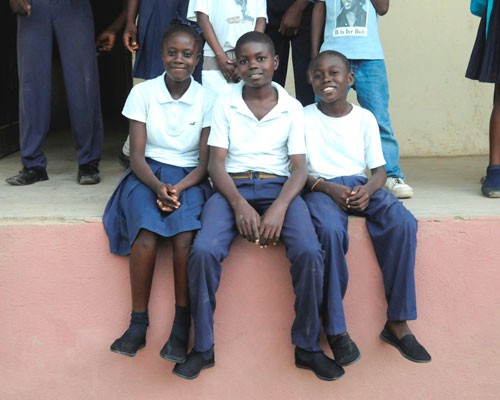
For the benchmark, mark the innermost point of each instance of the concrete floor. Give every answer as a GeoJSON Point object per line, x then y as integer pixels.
{"type": "Point", "coordinates": [444, 187]}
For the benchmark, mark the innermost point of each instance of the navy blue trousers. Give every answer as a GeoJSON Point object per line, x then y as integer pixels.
{"type": "Point", "coordinates": [212, 245]}
{"type": "Point", "coordinates": [393, 231]}
{"type": "Point", "coordinates": [301, 52]}
{"type": "Point", "coordinates": [70, 22]}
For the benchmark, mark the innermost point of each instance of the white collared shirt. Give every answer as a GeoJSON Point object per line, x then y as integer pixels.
{"type": "Point", "coordinates": [343, 146]}
{"type": "Point", "coordinates": [254, 145]}
{"type": "Point", "coordinates": [173, 126]}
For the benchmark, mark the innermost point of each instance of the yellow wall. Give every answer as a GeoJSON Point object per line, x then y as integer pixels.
{"type": "Point", "coordinates": [434, 109]}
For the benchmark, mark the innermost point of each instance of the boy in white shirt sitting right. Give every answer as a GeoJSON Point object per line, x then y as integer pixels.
{"type": "Point", "coordinates": [343, 140]}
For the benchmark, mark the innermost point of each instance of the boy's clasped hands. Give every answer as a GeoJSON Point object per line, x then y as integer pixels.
{"type": "Point", "coordinates": [261, 230]}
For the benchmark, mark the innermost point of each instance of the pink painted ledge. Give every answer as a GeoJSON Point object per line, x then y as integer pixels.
{"type": "Point", "coordinates": [65, 298]}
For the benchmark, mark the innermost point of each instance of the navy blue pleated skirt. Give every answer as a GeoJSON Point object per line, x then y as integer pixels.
{"type": "Point", "coordinates": [484, 63]}
{"type": "Point", "coordinates": [133, 206]}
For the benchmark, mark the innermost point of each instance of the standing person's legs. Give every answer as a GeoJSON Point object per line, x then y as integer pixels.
{"type": "Point", "coordinates": [282, 47]}
{"type": "Point", "coordinates": [74, 29]}
{"type": "Point", "coordinates": [34, 60]}
{"type": "Point", "coordinates": [301, 56]}
{"type": "Point", "coordinates": [372, 91]}
{"type": "Point", "coordinates": [210, 247]}
{"type": "Point", "coordinates": [491, 184]}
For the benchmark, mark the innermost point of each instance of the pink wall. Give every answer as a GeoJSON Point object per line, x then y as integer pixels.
{"type": "Point", "coordinates": [64, 299]}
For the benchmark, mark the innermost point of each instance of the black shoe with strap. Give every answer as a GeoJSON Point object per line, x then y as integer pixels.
{"type": "Point", "coordinates": [28, 176]}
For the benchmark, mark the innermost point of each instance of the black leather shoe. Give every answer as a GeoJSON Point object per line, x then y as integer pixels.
{"type": "Point", "coordinates": [128, 344]}
{"type": "Point", "coordinates": [408, 346]}
{"type": "Point", "coordinates": [344, 349]}
{"type": "Point", "coordinates": [28, 176]}
{"type": "Point", "coordinates": [194, 363]}
{"type": "Point", "coordinates": [124, 160]}
{"type": "Point", "coordinates": [88, 174]}
{"type": "Point", "coordinates": [325, 368]}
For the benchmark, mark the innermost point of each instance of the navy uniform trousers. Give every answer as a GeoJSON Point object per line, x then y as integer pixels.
{"type": "Point", "coordinates": [393, 231]}
{"type": "Point", "coordinates": [70, 22]}
{"type": "Point", "coordinates": [212, 244]}
{"type": "Point", "coordinates": [301, 48]}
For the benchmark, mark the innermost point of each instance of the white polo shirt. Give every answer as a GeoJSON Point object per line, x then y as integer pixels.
{"type": "Point", "coordinates": [254, 145]}
{"type": "Point", "coordinates": [343, 146]}
{"type": "Point", "coordinates": [229, 18]}
{"type": "Point", "coordinates": [173, 127]}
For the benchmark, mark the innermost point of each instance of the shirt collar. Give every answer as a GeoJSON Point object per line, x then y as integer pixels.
{"type": "Point", "coordinates": [238, 103]}
{"type": "Point", "coordinates": [163, 95]}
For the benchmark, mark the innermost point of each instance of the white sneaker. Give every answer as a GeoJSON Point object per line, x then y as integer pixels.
{"type": "Point", "coordinates": [398, 188]}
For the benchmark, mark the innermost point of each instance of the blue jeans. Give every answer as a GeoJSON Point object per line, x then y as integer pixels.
{"type": "Point", "coordinates": [372, 91]}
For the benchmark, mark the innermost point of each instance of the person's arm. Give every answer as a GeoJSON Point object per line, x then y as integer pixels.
{"type": "Point", "coordinates": [317, 27]}
{"type": "Point", "coordinates": [106, 40]}
{"type": "Point", "coordinates": [142, 170]}
{"type": "Point", "coordinates": [20, 7]}
{"type": "Point", "coordinates": [225, 65]}
{"type": "Point", "coordinates": [130, 32]}
{"type": "Point", "coordinates": [272, 220]}
{"type": "Point", "coordinates": [339, 193]}
{"type": "Point", "coordinates": [361, 194]}
{"type": "Point", "coordinates": [260, 25]}
{"type": "Point", "coordinates": [292, 18]}
{"type": "Point", "coordinates": [381, 6]}
{"type": "Point", "coordinates": [246, 217]}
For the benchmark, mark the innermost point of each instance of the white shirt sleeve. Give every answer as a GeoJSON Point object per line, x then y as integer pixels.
{"type": "Point", "coordinates": [136, 106]}
{"type": "Point", "coordinates": [219, 133]}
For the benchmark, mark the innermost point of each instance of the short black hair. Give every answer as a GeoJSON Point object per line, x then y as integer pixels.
{"type": "Point", "coordinates": [331, 53]}
{"type": "Point", "coordinates": [181, 27]}
{"type": "Point", "coordinates": [255, 37]}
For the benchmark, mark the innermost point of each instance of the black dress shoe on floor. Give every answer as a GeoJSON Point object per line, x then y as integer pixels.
{"type": "Point", "coordinates": [344, 349]}
{"type": "Point", "coordinates": [124, 160]}
{"type": "Point", "coordinates": [194, 363]}
{"type": "Point", "coordinates": [28, 176]}
{"type": "Point", "coordinates": [88, 174]}
{"type": "Point", "coordinates": [325, 368]}
{"type": "Point", "coordinates": [408, 346]}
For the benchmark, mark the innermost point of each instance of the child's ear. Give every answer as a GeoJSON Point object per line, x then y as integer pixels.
{"type": "Point", "coordinates": [276, 61]}
{"type": "Point", "coordinates": [309, 76]}
{"type": "Point", "coordinates": [350, 79]}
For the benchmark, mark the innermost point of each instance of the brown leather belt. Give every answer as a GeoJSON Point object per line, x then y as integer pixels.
{"type": "Point", "coordinates": [253, 175]}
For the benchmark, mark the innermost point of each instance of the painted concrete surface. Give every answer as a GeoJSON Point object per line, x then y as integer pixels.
{"type": "Point", "coordinates": [444, 186]}
{"type": "Point", "coordinates": [64, 299]}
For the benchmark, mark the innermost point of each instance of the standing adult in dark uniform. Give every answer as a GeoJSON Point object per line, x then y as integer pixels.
{"type": "Point", "coordinates": [70, 22]}
{"type": "Point", "coordinates": [289, 23]}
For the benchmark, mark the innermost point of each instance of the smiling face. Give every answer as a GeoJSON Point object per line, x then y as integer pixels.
{"type": "Point", "coordinates": [180, 54]}
{"type": "Point", "coordinates": [256, 63]}
{"type": "Point", "coordinates": [348, 4]}
{"type": "Point", "coordinates": [330, 77]}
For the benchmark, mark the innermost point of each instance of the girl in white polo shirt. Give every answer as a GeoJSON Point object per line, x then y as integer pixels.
{"type": "Point", "coordinates": [163, 192]}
